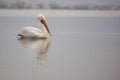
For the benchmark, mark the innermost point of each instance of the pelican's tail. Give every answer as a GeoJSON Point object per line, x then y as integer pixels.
{"type": "Point", "coordinates": [20, 36]}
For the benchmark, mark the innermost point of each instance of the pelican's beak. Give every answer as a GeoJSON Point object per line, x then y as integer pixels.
{"type": "Point", "coordinates": [45, 25]}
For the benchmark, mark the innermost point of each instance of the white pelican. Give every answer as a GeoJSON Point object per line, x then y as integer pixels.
{"type": "Point", "coordinates": [35, 33]}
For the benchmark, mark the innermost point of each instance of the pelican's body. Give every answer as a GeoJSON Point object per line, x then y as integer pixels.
{"type": "Point", "coordinates": [32, 32]}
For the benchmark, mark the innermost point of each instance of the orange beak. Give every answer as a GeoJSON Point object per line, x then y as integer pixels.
{"type": "Point", "coordinates": [45, 25]}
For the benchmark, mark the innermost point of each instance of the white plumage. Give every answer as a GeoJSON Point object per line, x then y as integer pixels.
{"type": "Point", "coordinates": [32, 32]}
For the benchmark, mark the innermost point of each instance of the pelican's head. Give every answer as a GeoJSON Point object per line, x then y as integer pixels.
{"type": "Point", "coordinates": [41, 19]}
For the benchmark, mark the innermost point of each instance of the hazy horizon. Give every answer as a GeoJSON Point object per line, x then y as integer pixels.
{"type": "Point", "coordinates": [68, 1]}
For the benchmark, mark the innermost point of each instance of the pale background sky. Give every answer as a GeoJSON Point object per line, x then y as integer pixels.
{"type": "Point", "coordinates": [69, 1]}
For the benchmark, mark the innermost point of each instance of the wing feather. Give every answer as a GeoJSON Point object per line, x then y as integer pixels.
{"type": "Point", "coordinates": [31, 32]}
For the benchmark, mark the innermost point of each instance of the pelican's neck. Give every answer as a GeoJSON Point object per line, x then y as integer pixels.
{"type": "Point", "coordinates": [44, 31]}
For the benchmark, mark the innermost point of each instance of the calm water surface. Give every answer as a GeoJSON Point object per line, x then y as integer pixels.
{"type": "Point", "coordinates": [81, 48]}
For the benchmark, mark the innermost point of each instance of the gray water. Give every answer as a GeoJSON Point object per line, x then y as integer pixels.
{"type": "Point", "coordinates": [81, 48]}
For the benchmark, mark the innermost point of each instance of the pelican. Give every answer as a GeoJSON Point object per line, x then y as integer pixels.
{"type": "Point", "coordinates": [35, 33]}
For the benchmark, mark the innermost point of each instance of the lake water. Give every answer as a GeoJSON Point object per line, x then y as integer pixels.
{"type": "Point", "coordinates": [81, 48]}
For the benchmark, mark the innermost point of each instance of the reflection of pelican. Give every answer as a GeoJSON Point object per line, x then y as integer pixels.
{"type": "Point", "coordinates": [32, 32]}
{"type": "Point", "coordinates": [30, 43]}
{"type": "Point", "coordinates": [43, 50]}
{"type": "Point", "coordinates": [41, 44]}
